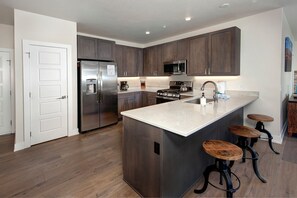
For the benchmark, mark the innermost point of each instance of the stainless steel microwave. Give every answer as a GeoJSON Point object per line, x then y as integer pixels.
{"type": "Point", "coordinates": [175, 67]}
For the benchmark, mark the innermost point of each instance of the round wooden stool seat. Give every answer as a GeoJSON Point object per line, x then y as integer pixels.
{"type": "Point", "coordinates": [260, 118]}
{"type": "Point", "coordinates": [222, 150]}
{"type": "Point", "coordinates": [244, 131]}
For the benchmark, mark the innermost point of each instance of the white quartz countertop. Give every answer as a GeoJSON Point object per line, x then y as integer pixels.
{"type": "Point", "coordinates": [184, 118]}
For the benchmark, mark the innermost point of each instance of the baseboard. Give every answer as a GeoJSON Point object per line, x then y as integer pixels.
{"type": "Point", "coordinates": [73, 132]}
{"type": "Point", "coordinates": [19, 146]}
{"type": "Point", "coordinates": [278, 138]}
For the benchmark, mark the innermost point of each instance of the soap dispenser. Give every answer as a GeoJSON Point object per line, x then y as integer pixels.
{"type": "Point", "coordinates": [203, 100]}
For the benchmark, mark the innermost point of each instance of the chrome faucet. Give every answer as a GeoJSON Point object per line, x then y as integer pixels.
{"type": "Point", "coordinates": [215, 95]}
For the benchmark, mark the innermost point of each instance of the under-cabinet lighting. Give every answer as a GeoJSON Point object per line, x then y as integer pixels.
{"type": "Point", "coordinates": [216, 78]}
{"type": "Point", "coordinates": [157, 77]}
{"type": "Point", "coordinates": [128, 78]}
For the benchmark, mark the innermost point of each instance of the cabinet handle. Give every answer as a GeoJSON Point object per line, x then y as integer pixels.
{"type": "Point", "coordinates": [205, 71]}
{"type": "Point", "coordinates": [157, 148]}
{"type": "Point", "coordinates": [209, 71]}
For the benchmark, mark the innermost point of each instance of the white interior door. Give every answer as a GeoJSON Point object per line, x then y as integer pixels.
{"type": "Point", "coordinates": [5, 105]}
{"type": "Point", "coordinates": [48, 90]}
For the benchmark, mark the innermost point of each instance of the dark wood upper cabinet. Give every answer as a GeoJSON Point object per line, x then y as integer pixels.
{"type": "Point", "coordinates": [169, 51]}
{"type": "Point", "coordinates": [86, 47]}
{"type": "Point", "coordinates": [119, 59]}
{"type": "Point", "coordinates": [198, 55]}
{"type": "Point", "coordinates": [212, 54]}
{"type": "Point", "coordinates": [152, 65]}
{"type": "Point", "coordinates": [105, 50]}
{"type": "Point", "coordinates": [95, 49]}
{"type": "Point", "coordinates": [216, 53]}
{"type": "Point", "coordinates": [225, 52]}
{"type": "Point", "coordinates": [183, 49]}
{"type": "Point", "coordinates": [140, 61]}
{"type": "Point", "coordinates": [129, 61]}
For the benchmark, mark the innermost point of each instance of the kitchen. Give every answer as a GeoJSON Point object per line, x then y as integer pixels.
{"type": "Point", "coordinates": [262, 29]}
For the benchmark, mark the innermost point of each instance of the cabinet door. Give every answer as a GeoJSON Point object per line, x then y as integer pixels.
{"type": "Point", "coordinates": [151, 98]}
{"type": "Point", "coordinates": [292, 118]}
{"type": "Point", "coordinates": [169, 51]}
{"type": "Point", "coordinates": [138, 99]}
{"type": "Point", "coordinates": [183, 49]}
{"type": "Point", "coordinates": [105, 50]}
{"type": "Point", "coordinates": [140, 61]}
{"type": "Point", "coordinates": [86, 47]}
{"type": "Point", "coordinates": [151, 56]}
{"type": "Point", "coordinates": [126, 102]}
{"type": "Point", "coordinates": [130, 61]}
{"type": "Point", "coordinates": [142, 157]}
{"type": "Point", "coordinates": [198, 55]}
{"type": "Point", "coordinates": [119, 60]}
{"type": "Point", "coordinates": [121, 106]}
{"type": "Point", "coordinates": [225, 52]}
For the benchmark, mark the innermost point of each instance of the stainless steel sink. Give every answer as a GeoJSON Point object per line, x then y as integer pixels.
{"type": "Point", "coordinates": [197, 101]}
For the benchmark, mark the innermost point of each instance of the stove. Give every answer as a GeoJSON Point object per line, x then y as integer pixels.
{"type": "Point", "coordinates": [173, 93]}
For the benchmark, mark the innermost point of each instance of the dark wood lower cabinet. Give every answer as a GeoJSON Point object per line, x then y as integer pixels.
{"type": "Point", "coordinates": [142, 162]}
{"type": "Point", "coordinates": [126, 101]}
{"type": "Point", "coordinates": [133, 100]}
{"type": "Point", "coordinates": [148, 98]}
{"type": "Point", "coordinates": [292, 117]}
{"type": "Point", "coordinates": [158, 163]}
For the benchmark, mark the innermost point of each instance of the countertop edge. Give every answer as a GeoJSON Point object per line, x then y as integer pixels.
{"type": "Point", "coordinates": [195, 128]}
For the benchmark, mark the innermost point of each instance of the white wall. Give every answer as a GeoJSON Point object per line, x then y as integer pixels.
{"type": "Point", "coordinates": [6, 36]}
{"type": "Point", "coordinates": [35, 27]}
{"type": "Point", "coordinates": [287, 78]}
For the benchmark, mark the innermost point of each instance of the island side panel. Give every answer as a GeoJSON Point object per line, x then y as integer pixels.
{"type": "Point", "coordinates": [183, 159]}
{"type": "Point", "coordinates": [141, 161]}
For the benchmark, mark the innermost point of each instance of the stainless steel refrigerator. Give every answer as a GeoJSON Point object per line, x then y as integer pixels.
{"type": "Point", "coordinates": [98, 97]}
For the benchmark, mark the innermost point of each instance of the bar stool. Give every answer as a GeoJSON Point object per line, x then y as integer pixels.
{"type": "Point", "coordinates": [243, 133]}
{"type": "Point", "coordinates": [260, 127]}
{"type": "Point", "coordinates": [222, 151]}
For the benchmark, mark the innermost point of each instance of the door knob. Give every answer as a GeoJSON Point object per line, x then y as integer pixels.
{"type": "Point", "coordinates": [63, 97]}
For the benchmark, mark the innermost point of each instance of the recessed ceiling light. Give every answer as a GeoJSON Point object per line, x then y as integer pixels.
{"type": "Point", "coordinates": [147, 32]}
{"type": "Point", "coordinates": [188, 18]}
{"type": "Point", "coordinates": [224, 5]}
{"type": "Point", "coordinates": [164, 26]}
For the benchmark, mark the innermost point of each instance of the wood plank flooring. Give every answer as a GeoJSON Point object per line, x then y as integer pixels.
{"type": "Point", "coordinates": [90, 165]}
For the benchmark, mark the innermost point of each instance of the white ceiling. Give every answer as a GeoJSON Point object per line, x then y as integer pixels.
{"type": "Point", "coordinates": [128, 20]}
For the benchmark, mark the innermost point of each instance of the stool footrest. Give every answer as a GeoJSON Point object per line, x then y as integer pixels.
{"type": "Point", "coordinates": [251, 158]}
{"type": "Point", "coordinates": [230, 190]}
{"type": "Point", "coordinates": [265, 138]}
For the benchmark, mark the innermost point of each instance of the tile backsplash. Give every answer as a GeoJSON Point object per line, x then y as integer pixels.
{"type": "Point", "coordinates": [163, 82]}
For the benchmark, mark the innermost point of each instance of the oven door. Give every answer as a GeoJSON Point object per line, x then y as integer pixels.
{"type": "Point", "coordinates": [160, 99]}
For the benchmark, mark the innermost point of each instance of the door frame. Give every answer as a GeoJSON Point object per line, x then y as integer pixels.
{"type": "Point", "coordinates": [26, 82]}
{"type": "Point", "coordinates": [12, 96]}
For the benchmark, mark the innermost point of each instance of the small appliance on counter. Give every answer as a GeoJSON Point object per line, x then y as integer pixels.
{"type": "Point", "coordinates": [124, 86]}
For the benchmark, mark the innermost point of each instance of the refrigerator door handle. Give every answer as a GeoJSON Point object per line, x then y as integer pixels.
{"type": "Point", "coordinates": [99, 89]}
{"type": "Point", "coordinates": [100, 96]}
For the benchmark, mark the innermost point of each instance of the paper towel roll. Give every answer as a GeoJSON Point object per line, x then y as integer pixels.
{"type": "Point", "coordinates": [221, 87]}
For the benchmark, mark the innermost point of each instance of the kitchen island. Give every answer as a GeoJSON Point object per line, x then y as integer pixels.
{"type": "Point", "coordinates": [162, 154]}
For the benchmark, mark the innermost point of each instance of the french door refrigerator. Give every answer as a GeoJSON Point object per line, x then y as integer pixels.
{"type": "Point", "coordinates": [98, 97]}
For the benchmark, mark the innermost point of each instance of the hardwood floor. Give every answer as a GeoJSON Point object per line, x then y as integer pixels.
{"type": "Point", "coordinates": [90, 165]}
